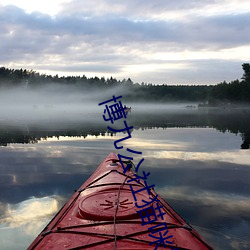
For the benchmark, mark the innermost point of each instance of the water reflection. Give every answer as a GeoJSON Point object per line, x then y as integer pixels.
{"type": "Point", "coordinates": [233, 121]}
{"type": "Point", "coordinates": [29, 210]}
{"type": "Point", "coordinates": [19, 222]}
{"type": "Point", "coordinates": [198, 169]}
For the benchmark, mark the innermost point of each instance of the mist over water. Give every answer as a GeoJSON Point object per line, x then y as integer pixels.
{"type": "Point", "coordinates": [30, 114]}
{"type": "Point", "coordinates": [56, 102]}
{"type": "Point", "coordinates": [60, 102]}
{"type": "Point", "coordinates": [193, 155]}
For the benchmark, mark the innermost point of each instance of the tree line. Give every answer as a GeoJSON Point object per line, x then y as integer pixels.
{"type": "Point", "coordinates": [232, 121]}
{"type": "Point", "coordinates": [236, 91]}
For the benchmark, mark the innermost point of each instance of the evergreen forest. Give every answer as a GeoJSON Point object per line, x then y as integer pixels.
{"type": "Point", "coordinates": [224, 93]}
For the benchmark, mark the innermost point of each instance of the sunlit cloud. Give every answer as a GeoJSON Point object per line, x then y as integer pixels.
{"type": "Point", "coordinates": [188, 56]}
{"type": "Point", "coordinates": [29, 212]}
{"type": "Point", "coordinates": [222, 156]}
{"type": "Point", "coordinates": [46, 6]}
{"type": "Point", "coordinates": [21, 223]}
{"type": "Point", "coordinates": [105, 137]}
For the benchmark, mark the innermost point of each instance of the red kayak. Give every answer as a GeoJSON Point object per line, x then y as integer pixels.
{"type": "Point", "coordinates": [113, 210]}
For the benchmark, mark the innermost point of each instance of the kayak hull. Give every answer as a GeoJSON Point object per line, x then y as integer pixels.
{"type": "Point", "coordinates": [103, 213]}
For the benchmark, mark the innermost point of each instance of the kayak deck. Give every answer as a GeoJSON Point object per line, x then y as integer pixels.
{"type": "Point", "coordinates": [103, 213]}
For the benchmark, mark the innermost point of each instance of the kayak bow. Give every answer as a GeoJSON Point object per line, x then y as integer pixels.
{"type": "Point", "coordinates": [102, 213]}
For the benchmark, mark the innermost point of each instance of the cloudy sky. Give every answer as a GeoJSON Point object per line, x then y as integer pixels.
{"type": "Point", "coordinates": [157, 41]}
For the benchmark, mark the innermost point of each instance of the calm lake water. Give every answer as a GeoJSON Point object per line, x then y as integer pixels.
{"type": "Point", "coordinates": [199, 161]}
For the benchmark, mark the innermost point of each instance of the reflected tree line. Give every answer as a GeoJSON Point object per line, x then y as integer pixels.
{"type": "Point", "coordinates": [231, 121]}
{"type": "Point", "coordinates": [225, 93]}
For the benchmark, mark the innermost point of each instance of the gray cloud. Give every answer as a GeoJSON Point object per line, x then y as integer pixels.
{"type": "Point", "coordinates": [106, 40]}
{"type": "Point", "coordinates": [224, 31]}
{"type": "Point", "coordinates": [227, 29]}
{"type": "Point", "coordinates": [132, 8]}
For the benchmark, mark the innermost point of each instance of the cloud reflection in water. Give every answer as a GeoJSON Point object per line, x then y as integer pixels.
{"type": "Point", "coordinates": [201, 176]}
{"type": "Point", "coordinates": [25, 220]}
